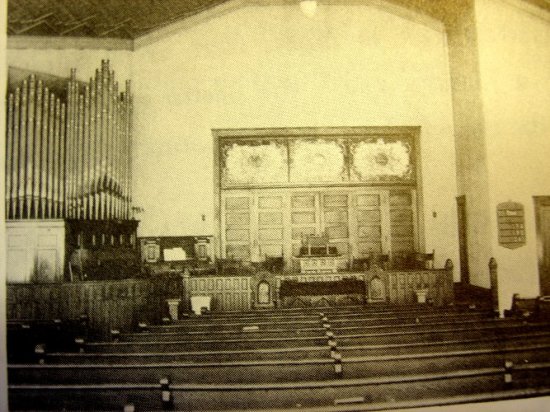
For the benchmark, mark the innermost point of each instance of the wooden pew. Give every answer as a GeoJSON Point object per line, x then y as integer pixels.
{"type": "Point", "coordinates": [522, 307]}
{"type": "Point", "coordinates": [57, 335]}
{"type": "Point", "coordinates": [294, 330]}
{"type": "Point", "coordinates": [489, 341]}
{"type": "Point", "coordinates": [373, 310]}
{"type": "Point", "coordinates": [357, 318]}
{"type": "Point", "coordinates": [414, 334]}
{"type": "Point", "coordinates": [307, 394]}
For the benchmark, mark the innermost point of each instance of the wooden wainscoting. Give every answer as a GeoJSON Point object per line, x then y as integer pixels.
{"type": "Point", "coordinates": [109, 305]}
{"type": "Point", "coordinates": [227, 292]}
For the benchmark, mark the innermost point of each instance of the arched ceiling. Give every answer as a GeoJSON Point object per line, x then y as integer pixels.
{"type": "Point", "coordinates": [131, 19]}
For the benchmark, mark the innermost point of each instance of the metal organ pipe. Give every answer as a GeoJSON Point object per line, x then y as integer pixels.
{"type": "Point", "coordinates": [68, 155]}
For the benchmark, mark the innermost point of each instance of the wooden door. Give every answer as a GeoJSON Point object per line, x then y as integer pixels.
{"type": "Point", "coordinates": [370, 223]}
{"type": "Point", "coordinates": [463, 239]}
{"type": "Point", "coordinates": [402, 213]}
{"type": "Point", "coordinates": [335, 220]}
{"type": "Point", "coordinates": [305, 217]}
{"type": "Point", "coordinates": [269, 215]}
{"type": "Point", "coordinates": [542, 209]}
{"type": "Point", "coordinates": [236, 225]}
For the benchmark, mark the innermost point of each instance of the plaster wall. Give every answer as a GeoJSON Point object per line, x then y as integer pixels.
{"type": "Point", "coordinates": [271, 66]}
{"type": "Point", "coordinates": [274, 67]}
{"type": "Point", "coordinates": [514, 61]}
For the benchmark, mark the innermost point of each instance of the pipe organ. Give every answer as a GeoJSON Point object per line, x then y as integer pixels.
{"type": "Point", "coordinates": [68, 157]}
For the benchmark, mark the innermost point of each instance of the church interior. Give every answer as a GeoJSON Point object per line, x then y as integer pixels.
{"type": "Point", "coordinates": [320, 205]}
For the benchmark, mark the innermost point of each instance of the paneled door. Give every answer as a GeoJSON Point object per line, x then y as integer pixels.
{"type": "Point", "coordinates": [542, 210]}
{"type": "Point", "coordinates": [335, 219]}
{"type": "Point", "coordinates": [359, 222]}
{"type": "Point", "coordinates": [370, 223]}
{"type": "Point", "coordinates": [268, 214]}
{"type": "Point", "coordinates": [305, 217]}
{"type": "Point", "coordinates": [253, 224]}
{"type": "Point", "coordinates": [236, 225]}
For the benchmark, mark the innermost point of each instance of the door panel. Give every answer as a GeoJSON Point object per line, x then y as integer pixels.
{"type": "Point", "coordinates": [236, 226]}
{"type": "Point", "coordinates": [269, 218]}
{"type": "Point", "coordinates": [359, 222]}
{"type": "Point", "coordinates": [370, 224]}
{"type": "Point", "coordinates": [305, 217]}
{"type": "Point", "coordinates": [401, 222]}
{"type": "Point", "coordinates": [542, 205]}
{"type": "Point", "coordinates": [335, 223]}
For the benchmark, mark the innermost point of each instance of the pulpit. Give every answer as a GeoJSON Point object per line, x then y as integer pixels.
{"type": "Point", "coordinates": [318, 256]}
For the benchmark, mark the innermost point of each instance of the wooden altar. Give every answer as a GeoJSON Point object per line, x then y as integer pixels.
{"type": "Point", "coordinates": [255, 289]}
{"type": "Point", "coordinates": [389, 286]}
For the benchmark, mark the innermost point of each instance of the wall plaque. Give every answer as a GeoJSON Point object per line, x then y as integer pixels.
{"type": "Point", "coordinates": [511, 225]}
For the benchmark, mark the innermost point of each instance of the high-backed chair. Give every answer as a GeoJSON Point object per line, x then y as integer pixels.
{"type": "Point", "coordinates": [425, 260]}
{"type": "Point", "coordinates": [380, 260]}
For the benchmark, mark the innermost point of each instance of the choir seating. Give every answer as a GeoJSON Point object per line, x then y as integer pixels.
{"type": "Point", "coordinates": [367, 357]}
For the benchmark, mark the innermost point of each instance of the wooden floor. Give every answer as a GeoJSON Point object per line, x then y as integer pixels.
{"type": "Point", "coordinates": [334, 359]}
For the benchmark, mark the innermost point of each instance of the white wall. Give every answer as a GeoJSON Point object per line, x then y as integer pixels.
{"type": "Point", "coordinates": [515, 74]}
{"type": "Point", "coordinates": [274, 67]}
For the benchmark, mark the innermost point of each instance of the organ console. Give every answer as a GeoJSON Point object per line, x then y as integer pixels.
{"type": "Point", "coordinates": [68, 156]}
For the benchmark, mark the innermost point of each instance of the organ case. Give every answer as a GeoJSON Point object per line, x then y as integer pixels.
{"type": "Point", "coordinates": [68, 157]}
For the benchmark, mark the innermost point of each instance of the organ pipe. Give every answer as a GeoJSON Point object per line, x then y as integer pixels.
{"type": "Point", "coordinates": [43, 147]}
{"type": "Point", "coordinates": [68, 155]}
{"type": "Point", "coordinates": [9, 156]}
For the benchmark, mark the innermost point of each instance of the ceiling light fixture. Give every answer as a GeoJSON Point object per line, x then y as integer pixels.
{"type": "Point", "coordinates": [308, 7]}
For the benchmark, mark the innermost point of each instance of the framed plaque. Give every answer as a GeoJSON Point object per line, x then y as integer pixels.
{"type": "Point", "coordinates": [511, 225]}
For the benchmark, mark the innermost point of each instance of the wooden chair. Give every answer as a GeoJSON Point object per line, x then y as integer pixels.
{"type": "Point", "coordinates": [274, 264]}
{"type": "Point", "coordinates": [381, 260]}
{"type": "Point", "coordinates": [424, 260]}
{"type": "Point", "coordinates": [360, 264]}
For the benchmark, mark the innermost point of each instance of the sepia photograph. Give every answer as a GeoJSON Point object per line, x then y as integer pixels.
{"type": "Point", "coordinates": [275, 205]}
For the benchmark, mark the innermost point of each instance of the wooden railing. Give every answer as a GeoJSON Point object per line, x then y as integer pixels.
{"type": "Point", "coordinates": [390, 286]}
{"type": "Point", "coordinates": [109, 305]}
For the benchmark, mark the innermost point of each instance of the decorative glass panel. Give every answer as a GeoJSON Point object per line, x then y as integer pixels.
{"type": "Point", "coordinates": [303, 217]}
{"type": "Point", "coordinates": [249, 163]}
{"type": "Point", "coordinates": [270, 234]}
{"type": "Point", "coordinates": [317, 161]}
{"type": "Point", "coordinates": [381, 160]}
{"type": "Point", "coordinates": [237, 203]}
